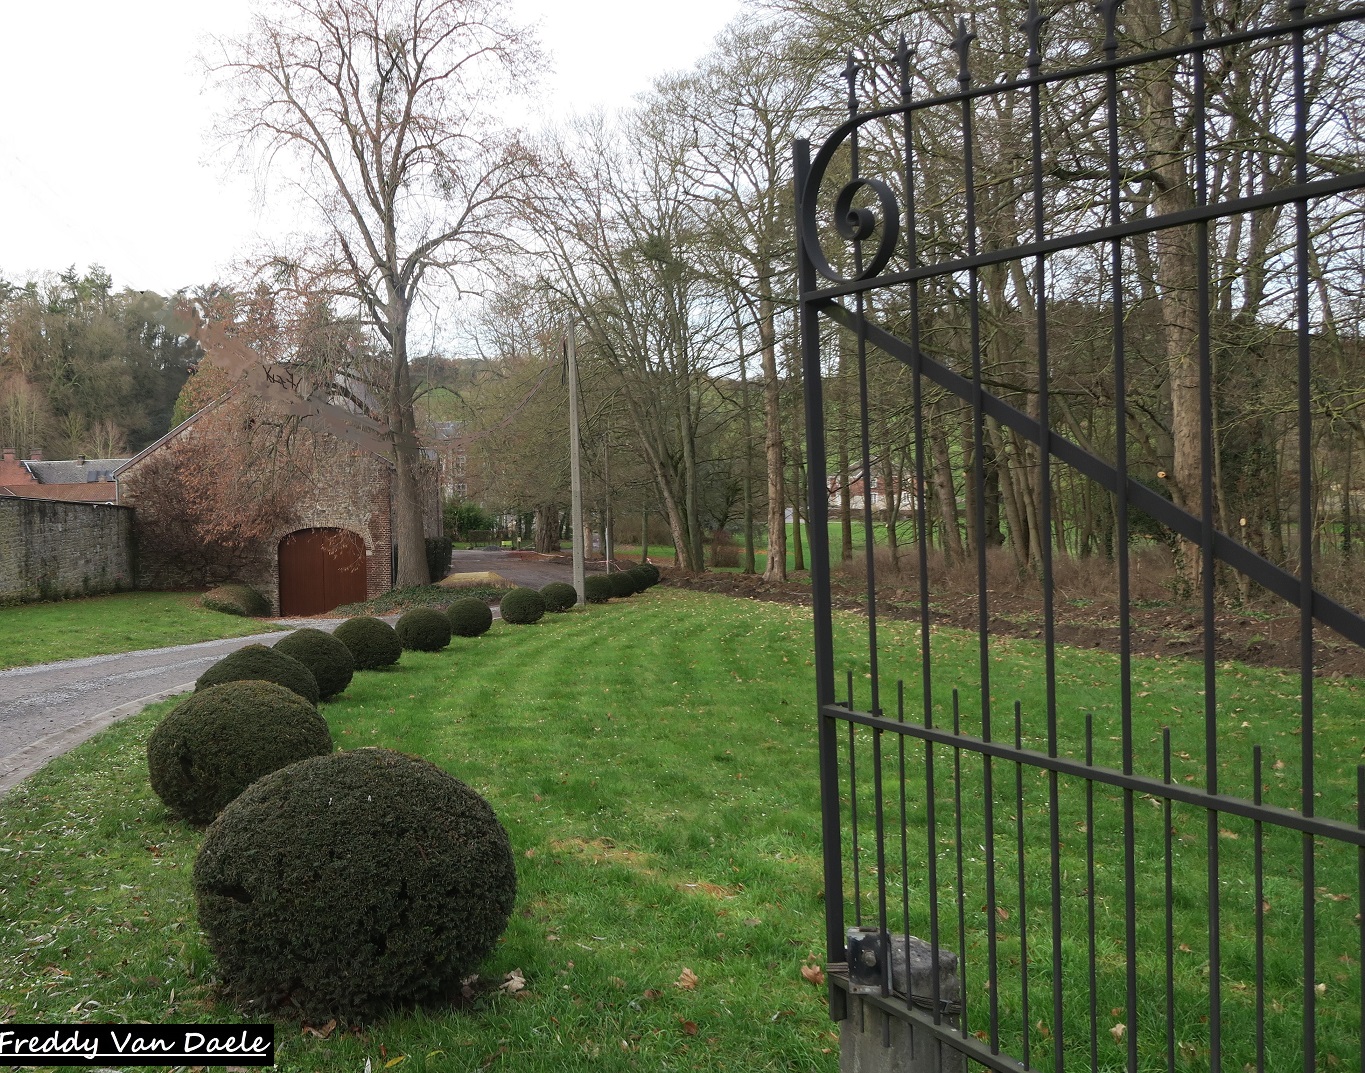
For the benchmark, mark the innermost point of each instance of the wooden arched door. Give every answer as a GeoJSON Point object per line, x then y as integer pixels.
{"type": "Point", "coordinates": [320, 569]}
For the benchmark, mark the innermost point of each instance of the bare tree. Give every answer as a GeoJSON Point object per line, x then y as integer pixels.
{"type": "Point", "coordinates": [385, 108]}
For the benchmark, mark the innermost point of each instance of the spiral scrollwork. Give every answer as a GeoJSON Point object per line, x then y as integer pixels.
{"type": "Point", "coordinates": [854, 223]}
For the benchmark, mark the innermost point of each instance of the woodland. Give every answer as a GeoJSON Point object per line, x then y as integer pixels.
{"type": "Point", "coordinates": [664, 233]}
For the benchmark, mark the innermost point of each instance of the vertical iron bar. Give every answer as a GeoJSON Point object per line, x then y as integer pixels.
{"type": "Point", "coordinates": [1023, 898]}
{"type": "Point", "coordinates": [1109, 9]}
{"type": "Point", "coordinates": [823, 649]}
{"type": "Point", "coordinates": [1032, 27]}
{"type": "Point", "coordinates": [962, 45]}
{"type": "Point", "coordinates": [1258, 866]}
{"type": "Point", "coordinates": [1090, 890]}
{"type": "Point", "coordinates": [961, 892]}
{"type": "Point", "coordinates": [1305, 416]}
{"type": "Point", "coordinates": [1169, 861]}
{"type": "Point", "coordinates": [857, 859]}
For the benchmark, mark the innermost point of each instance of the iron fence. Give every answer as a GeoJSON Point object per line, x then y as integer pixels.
{"type": "Point", "coordinates": [1134, 865]}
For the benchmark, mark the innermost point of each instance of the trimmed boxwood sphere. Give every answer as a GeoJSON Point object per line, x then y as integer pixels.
{"type": "Point", "coordinates": [372, 641]}
{"type": "Point", "coordinates": [559, 596]}
{"type": "Point", "coordinates": [652, 572]}
{"type": "Point", "coordinates": [469, 617]}
{"type": "Point", "coordinates": [329, 660]}
{"type": "Point", "coordinates": [353, 883]}
{"type": "Point", "coordinates": [622, 584]}
{"type": "Point", "coordinates": [423, 629]}
{"type": "Point", "coordinates": [225, 737]}
{"type": "Point", "coordinates": [597, 588]}
{"type": "Point", "coordinates": [639, 577]}
{"type": "Point", "coordinates": [257, 663]}
{"type": "Point", "coordinates": [521, 607]}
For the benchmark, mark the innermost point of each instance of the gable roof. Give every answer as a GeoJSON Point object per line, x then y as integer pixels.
{"type": "Point", "coordinates": [80, 471]}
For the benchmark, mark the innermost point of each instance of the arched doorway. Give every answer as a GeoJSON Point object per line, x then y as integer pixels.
{"type": "Point", "coordinates": [320, 569]}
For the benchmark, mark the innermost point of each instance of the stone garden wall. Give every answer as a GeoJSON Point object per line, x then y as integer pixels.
{"type": "Point", "coordinates": [50, 549]}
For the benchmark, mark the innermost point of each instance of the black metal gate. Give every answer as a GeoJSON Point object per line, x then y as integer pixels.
{"type": "Point", "coordinates": [1135, 862]}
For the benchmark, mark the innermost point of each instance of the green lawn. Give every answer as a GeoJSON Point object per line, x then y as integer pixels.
{"type": "Point", "coordinates": [654, 763]}
{"type": "Point", "coordinates": [101, 625]}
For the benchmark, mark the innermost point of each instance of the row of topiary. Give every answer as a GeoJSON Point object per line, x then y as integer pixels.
{"type": "Point", "coordinates": [308, 922]}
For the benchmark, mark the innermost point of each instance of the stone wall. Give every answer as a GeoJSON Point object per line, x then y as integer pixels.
{"type": "Point", "coordinates": [50, 550]}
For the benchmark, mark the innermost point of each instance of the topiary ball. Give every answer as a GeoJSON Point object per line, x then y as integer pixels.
{"type": "Point", "coordinates": [225, 737]}
{"type": "Point", "coordinates": [559, 596]}
{"type": "Point", "coordinates": [622, 584]}
{"type": "Point", "coordinates": [521, 607]}
{"type": "Point", "coordinates": [597, 588]}
{"type": "Point", "coordinates": [236, 598]}
{"type": "Point", "coordinates": [639, 578]}
{"type": "Point", "coordinates": [423, 629]}
{"type": "Point", "coordinates": [353, 883]}
{"type": "Point", "coordinates": [652, 572]}
{"type": "Point", "coordinates": [372, 641]}
{"type": "Point", "coordinates": [330, 661]}
{"type": "Point", "coordinates": [469, 617]}
{"type": "Point", "coordinates": [257, 663]}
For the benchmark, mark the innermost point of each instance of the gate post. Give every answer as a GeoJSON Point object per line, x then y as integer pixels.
{"type": "Point", "coordinates": [874, 1041]}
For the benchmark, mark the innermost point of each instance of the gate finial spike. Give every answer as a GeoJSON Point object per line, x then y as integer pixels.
{"type": "Point", "coordinates": [850, 75]}
{"type": "Point", "coordinates": [902, 58]}
{"type": "Point", "coordinates": [1109, 11]}
{"type": "Point", "coordinates": [962, 44]}
{"type": "Point", "coordinates": [1297, 8]}
{"type": "Point", "coordinates": [1033, 27]}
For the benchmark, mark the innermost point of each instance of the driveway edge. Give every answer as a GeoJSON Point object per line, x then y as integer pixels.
{"type": "Point", "coordinates": [20, 765]}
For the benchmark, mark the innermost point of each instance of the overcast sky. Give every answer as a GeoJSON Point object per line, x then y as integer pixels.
{"type": "Point", "coordinates": [103, 154]}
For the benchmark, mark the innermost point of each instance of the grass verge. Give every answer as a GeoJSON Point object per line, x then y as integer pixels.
{"type": "Point", "coordinates": [102, 625]}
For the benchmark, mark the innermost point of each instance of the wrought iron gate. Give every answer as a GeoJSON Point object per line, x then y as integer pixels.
{"type": "Point", "coordinates": [1130, 872]}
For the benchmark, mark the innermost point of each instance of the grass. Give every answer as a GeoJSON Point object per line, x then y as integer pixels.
{"type": "Point", "coordinates": [101, 625]}
{"type": "Point", "coordinates": [654, 763]}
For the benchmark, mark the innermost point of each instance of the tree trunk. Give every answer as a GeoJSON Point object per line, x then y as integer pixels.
{"type": "Point", "coordinates": [547, 528]}
{"type": "Point", "coordinates": [776, 567]}
{"type": "Point", "coordinates": [408, 533]}
{"type": "Point", "coordinates": [945, 491]}
{"type": "Point", "coordinates": [748, 465]}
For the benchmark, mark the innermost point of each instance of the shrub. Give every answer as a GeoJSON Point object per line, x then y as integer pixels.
{"type": "Point", "coordinates": [639, 578]}
{"type": "Point", "coordinates": [423, 629]}
{"type": "Point", "coordinates": [438, 557]}
{"type": "Point", "coordinates": [223, 738]}
{"type": "Point", "coordinates": [330, 661]}
{"type": "Point", "coordinates": [353, 883]}
{"type": "Point", "coordinates": [622, 584]}
{"type": "Point", "coordinates": [597, 588]}
{"type": "Point", "coordinates": [373, 642]}
{"type": "Point", "coordinates": [236, 598]}
{"type": "Point", "coordinates": [521, 607]}
{"type": "Point", "coordinates": [651, 571]}
{"type": "Point", "coordinates": [469, 617]}
{"type": "Point", "coordinates": [257, 663]}
{"type": "Point", "coordinates": [559, 596]}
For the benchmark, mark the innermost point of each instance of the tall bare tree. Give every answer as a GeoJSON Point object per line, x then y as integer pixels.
{"type": "Point", "coordinates": [383, 113]}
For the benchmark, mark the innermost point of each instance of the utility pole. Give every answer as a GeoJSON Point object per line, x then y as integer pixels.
{"type": "Point", "coordinates": [575, 473]}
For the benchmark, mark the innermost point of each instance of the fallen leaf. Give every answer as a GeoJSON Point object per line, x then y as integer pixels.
{"type": "Point", "coordinates": [513, 982]}
{"type": "Point", "coordinates": [1118, 1030]}
{"type": "Point", "coordinates": [689, 1027]}
{"type": "Point", "coordinates": [687, 980]}
{"type": "Point", "coordinates": [813, 974]}
{"type": "Point", "coordinates": [320, 1031]}
{"type": "Point", "coordinates": [395, 1061]}
{"type": "Point", "coordinates": [616, 981]}
{"type": "Point", "coordinates": [1002, 912]}
{"type": "Point", "coordinates": [1321, 989]}
{"type": "Point", "coordinates": [652, 994]}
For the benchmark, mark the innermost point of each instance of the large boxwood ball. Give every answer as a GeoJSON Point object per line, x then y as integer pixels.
{"type": "Point", "coordinates": [469, 617]}
{"type": "Point", "coordinates": [521, 607]}
{"type": "Point", "coordinates": [640, 578]}
{"type": "Point", "coordinates": [559, 596]}
{"type": "Point", "coordinates": [423, 629]}
{"type": "Point", "coordinates": [257, 663]}
{"type": "Point", "coordinates": [652, 572]}
{"type": "Point", "coordinates": [353, 883]}
{"type": "Point", "coordinates": [223, 738]}
{"type": "Point", "coordinates": [330, 661]}
{"type": "Point", "coordinates": [372, 641]}
{"type": "Point", "coordinates": [597, 588]}
{"type": "Point", "coordinates": [622, 584]}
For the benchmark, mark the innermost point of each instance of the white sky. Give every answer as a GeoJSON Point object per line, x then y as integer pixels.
{"type": "Point", "coordinates": [103, 154]}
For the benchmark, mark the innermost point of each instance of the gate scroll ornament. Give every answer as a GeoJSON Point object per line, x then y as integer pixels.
{"type": "Point", "coordinates": [1078, 980]}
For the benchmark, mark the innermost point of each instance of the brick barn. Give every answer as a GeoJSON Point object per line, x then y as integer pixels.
{"type": "Point", "coordinates": [329, 541]}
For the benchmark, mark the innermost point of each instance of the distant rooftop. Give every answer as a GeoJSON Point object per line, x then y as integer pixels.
{"type": "Point", "coordinates": [79, 471]}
